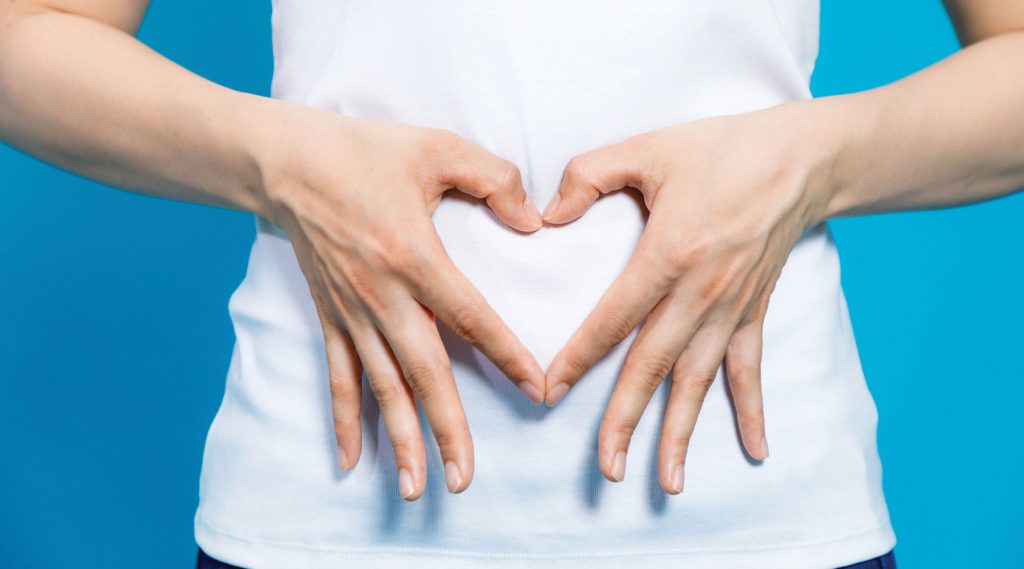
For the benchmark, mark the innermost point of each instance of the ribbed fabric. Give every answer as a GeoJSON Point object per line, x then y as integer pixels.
{"type": "Point", "coordinates": [538, 81]}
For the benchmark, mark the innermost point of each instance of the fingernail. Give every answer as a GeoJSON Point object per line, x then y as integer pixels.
{"type": "Point", "coordinates": [536, 219]}
{"type": "Point", "coordinates": [452, 477]}
{"type": "Point", "coordinates": [677, 479]}
{"type": "Point", "coordinates": [342, 458]}
{"type": "Point", "coordinates": [532, 393]}
{"type": "Point", "coordinates": [619, 466]}
{"type": "Point", "coordinates": [405, 487]}
{"type": "Point", "coordinates": [552, 206]}
{"type": "Point", "coordinates": [764, 446]}
{"type": "Point", "coordinates": [556, 394]}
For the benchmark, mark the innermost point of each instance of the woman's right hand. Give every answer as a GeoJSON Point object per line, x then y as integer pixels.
{"type": "Point", "coordinates": [355, 196]}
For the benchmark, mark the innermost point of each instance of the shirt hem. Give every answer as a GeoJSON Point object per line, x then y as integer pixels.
{"type": "Point", "coordinates": [254, 553]}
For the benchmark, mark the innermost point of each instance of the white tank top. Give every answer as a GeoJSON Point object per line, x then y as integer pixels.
{"type": "Point", "coordinates": [536, 82]}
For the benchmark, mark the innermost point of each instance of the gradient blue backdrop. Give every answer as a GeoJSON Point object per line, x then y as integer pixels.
{"type": "Point", "coordinates": [114, 333]}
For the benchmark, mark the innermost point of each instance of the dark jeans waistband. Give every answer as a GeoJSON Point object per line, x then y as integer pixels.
{"type": "Point", "coordinates": [887, 561]}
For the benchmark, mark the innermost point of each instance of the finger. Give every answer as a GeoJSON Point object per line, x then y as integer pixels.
{"type": "Point", "coordinates": [412, 335]}
{"type": "Point", "coordinates": [397, 407]}
{"type": "Point", "coordinates": [454, 300]}
{"type": "Point", "coordinates": [627, 301]}
{"type": "Point", "coordinates": [650, 358]}
{"type": "Point", "coordinates": [743, 372]}
{"type": "Point", "coordinates": [477, 172]}
{"type": "Point", "coordinates": [607, 169]}
{"type": "Point", "coordinates": [692, 377]}
{"type": "Point", "coordinates": [345, 374]}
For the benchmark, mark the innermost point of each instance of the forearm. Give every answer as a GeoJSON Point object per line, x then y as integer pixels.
{"type": "Point", "coordinates": [92, 99]}
{"type": "Point", "coordinates": [950, 134]}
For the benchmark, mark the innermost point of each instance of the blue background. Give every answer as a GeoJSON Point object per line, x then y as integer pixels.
{"type": "Point", "coordinates": [114, 334]}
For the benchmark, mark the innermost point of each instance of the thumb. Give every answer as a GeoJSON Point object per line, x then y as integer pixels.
{"type": "Point", "coordinates": [601, 171]}
{"type": "Point", "coordinates": [475, 171]}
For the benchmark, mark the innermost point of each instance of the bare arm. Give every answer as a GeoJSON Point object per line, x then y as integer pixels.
{"type": "Point", "coordinates": [950, 134]}
{"type": "Point", "coordinates": [355, 197]}
{"type": "Point", "coordinates": [77, 90]}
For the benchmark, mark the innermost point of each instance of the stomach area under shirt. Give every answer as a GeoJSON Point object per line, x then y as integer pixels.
{"type": "Point", "coordinates": [507, 78]}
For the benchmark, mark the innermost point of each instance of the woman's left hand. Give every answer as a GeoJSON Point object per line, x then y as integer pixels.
{"type": "Point", "coordinates": [728, 198]}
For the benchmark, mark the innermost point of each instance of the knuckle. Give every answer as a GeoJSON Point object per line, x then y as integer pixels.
{"type": "Point", "coordinates": [392, 249]}
{"type": "Point", "coordinates": [426, 377]}
{"type": "Point", "coordinates": [761, 308]}
{"type": "Point", "coordinates": [676, 440]}
{"type": "Point", "coordinates": [346, 425]}
{"type": "Point", "coordinates": [507, 177]}
{"type": "Point", "coordinates": [682, 257]}
{"type": "Point", "coordinates": [698, 385]}
{"type": "Point", "coordinates": [750, 316]}
{"type": "Point", "coordinates": [648, 370]}
{"type": "Point", "coordinates": [375, 248]}
{"type": "Point", "coordinates": [405, 259]}
{"type": "Point", "coordinates": [343, 385]}
{"type": "Point", "coordinates": [577, 171]}
{"type": "Point", "coordinates": [655, 263]}
{"type": "Point", "coordinates": [716, 286]}
{"type": "Point", "coordinates": [450, 437]}
{"type": "Point", "coordinates": [677, 261]}
{"type": "Point", "coordinates": [331, 317]}
{"type": "Point", "coordinates": [388, 391]}
{"type": "Point", "coordinates": [646, 169]}
{"type": "Point", "coordinates": [321, 311]}
{"type": "Point", "coordinates": [750, 417]}
{"type": "Point", "coordinates": [744, 373]}
{"type": "Point", "coordinates": [392, 252]}
{"type": "Point", "coordinates": [735, 272]}
{"type": "Point", "coordinates": [614, 429]}
{"type": "Point", "coordinates": [576, 364]}
{"type": "Point", "coordinates": [617, 326]}
{"type": "Point", "coordinates": [516, 366]}
{"type": "Point", "coordinates": [466, 321]}
{"type": "Point", "coordinates": [362, 283]}
{"type": "Point", "coordinates": [405, 447]}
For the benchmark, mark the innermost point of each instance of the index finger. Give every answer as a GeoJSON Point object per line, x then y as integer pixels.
{"type": "Point", "coordinates": [631, 297]}
{"type": "Point", "coordinates": [455, 301]}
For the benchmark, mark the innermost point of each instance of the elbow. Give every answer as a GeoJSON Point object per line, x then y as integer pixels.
{"type": "Point", "coordinates": [125, 16]}
{"type": "Point", "coordinates": [10, 13]}
{"type": "Point", "coordinates": [977, 20]}
{"type": "Point", "coordinates": [971, 37]}
{"type": "Point", "coordinates": [13, 11]}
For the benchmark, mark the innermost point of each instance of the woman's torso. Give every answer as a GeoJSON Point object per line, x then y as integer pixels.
{"type": "Point", "coordinates": [537, 82]}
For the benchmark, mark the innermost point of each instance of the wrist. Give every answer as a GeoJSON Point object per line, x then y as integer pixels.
{"type": "Point", "coordinates": [252, 132]}
{"type": "Point", "coordinates": [844, 125]}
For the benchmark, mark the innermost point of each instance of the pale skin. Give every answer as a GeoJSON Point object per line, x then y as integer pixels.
{"type": "Point", "coordinates": [728, 198]}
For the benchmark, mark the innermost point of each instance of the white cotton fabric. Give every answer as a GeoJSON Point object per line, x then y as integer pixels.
{"type": "Point", "coordinates": [536, 82]}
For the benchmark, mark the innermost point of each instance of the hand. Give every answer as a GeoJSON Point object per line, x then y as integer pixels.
{"type": "Point", "coordinates": [728, 199]}
{"type": "Point", "coordinates": [356, 197]}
